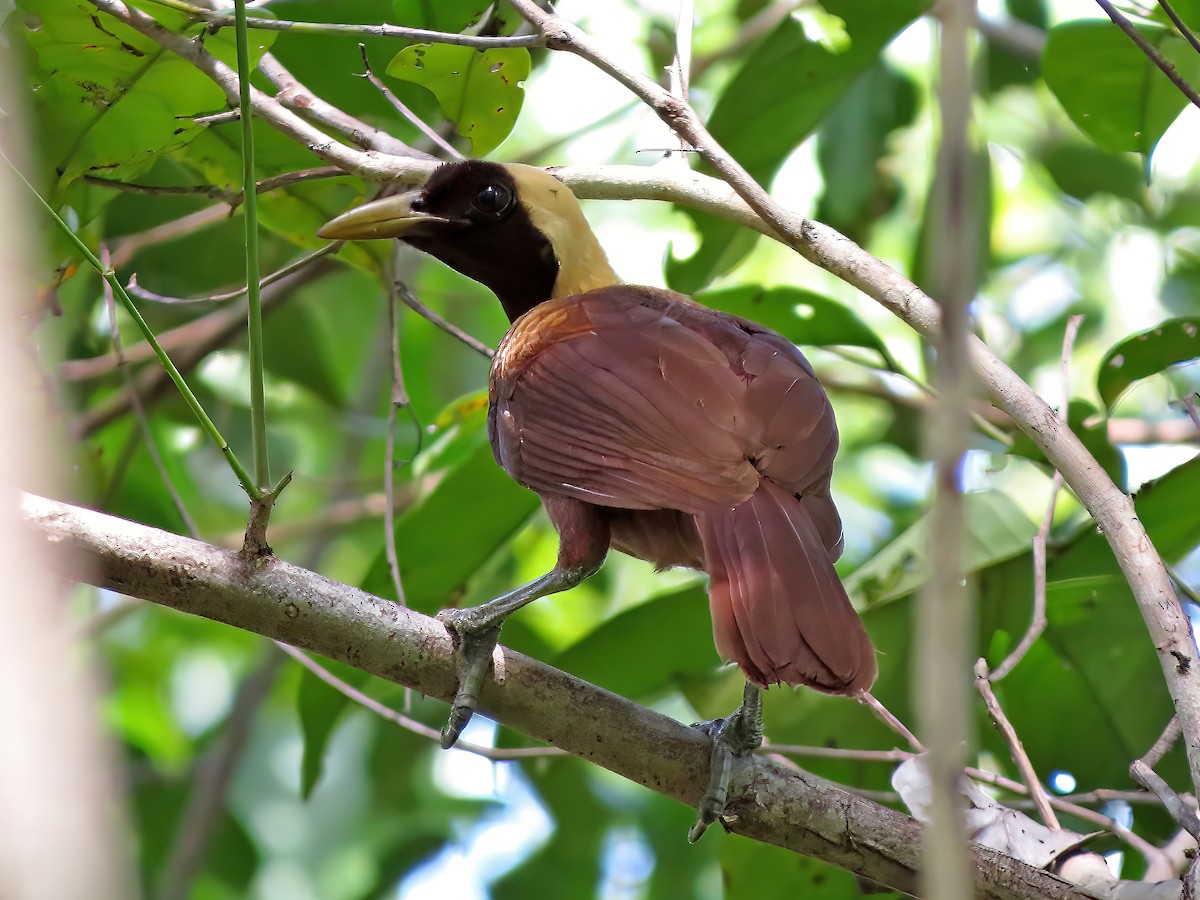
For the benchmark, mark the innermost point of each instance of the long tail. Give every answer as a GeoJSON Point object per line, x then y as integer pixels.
{"type": "Point", "coordinates": [778, 607]}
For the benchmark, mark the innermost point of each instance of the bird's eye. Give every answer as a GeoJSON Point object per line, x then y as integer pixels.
{"type": "Point", "coordinates": [493, 201]}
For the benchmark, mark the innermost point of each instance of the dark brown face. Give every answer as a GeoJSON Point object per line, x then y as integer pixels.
{"type": "Point", "coordinates": [470, 217]}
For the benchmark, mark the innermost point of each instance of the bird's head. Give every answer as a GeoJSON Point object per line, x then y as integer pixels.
{"type": "Point", "coordinates": [516, 229]}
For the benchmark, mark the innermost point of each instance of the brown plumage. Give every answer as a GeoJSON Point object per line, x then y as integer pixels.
{"type": "Point", "coordinates": [649, 423]}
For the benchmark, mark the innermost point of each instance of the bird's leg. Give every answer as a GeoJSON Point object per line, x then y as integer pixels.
{"type": "Point", "coordinates": [583, 544]}
{"type": "Point", "coordinates": [734, 737]}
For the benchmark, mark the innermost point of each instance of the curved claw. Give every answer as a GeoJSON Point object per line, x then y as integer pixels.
{"type": "Point", "coordinates": [473, 655]}
{"type": "Point", "coordinates": [733, 738]}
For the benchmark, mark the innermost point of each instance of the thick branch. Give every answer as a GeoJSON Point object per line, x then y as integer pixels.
{"type": "Point", "coordinates": [791, 809]}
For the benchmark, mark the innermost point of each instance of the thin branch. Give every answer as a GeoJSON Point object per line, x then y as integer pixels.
{"type": "Point", "coordinates": [401, 108]}
{"type": "Point", "coordinates": [127, 247]}
{"type": "Point", "coordinates": [1154, 857]}
{"type": "Point", "coordinates": [399, 399]}
{"type": "Point", "coordinates": [794, 810]}
{"type": "Point", "coordinates": [887, 718]}
{"type": "Point", "coordinates": [1150, 51]}
{"type": "Point", "coordinates": [152, 382]}
{"type": "Point", "coordinates": [298, 265]}
{"type": "Point", "coordinates": [1037, 622]}
{"type": "Point", "coordinates": [1183, 814]}
{"type": "Point", "coordinates": [1016, 749]}
{"type": "Point", "coordinates": [445, 325]}
{"type": "Point", "coordinates": [223, 20]}
{"type": "Point", "coordinates": [1163, 744]}
{"type": "Point", "coordinates": [1179, 24]}
{"type": "Point", "coordinates": [293, 95]}
{"type": "Point", "coordinates": [1020, 38]}
{"type": "Point", "coordinates": [751, 31]}
{"type": "Point", "coordinates": [496, 754]}
{"type": "Point", "coordinates": [213, 192]}
{"type": "Point", "coordinates": [882, 756]}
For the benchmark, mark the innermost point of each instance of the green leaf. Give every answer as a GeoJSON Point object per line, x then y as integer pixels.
{"type": "Point", "coordinates": [1084, 170]}
{"type": "Point", "coordinates": [996, 530]}
{"type": "Point", "coordinates": [117, 99]}
{"type": "Point", "coordinates": [799, 315]}
{"type": "Point", "coordinates": [1148, 353]}
{"type": "Point", "coordinates": [320, 707]}
{"type": "Point", "coordinates": [851, 143]}
{"type": "Point", "coordinates": [774, 102]}
{"type": "Point", "coordinates": [480, 90]}
{"type": "Point", "coordinates": [445, 539]}
{"type": "Point", "coordinates": [1108, 87]}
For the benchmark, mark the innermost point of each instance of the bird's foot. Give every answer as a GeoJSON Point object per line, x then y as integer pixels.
{"type": "Point", "coordinates": [474, 643]}
{"type": "Point", "coordinates": [734, 738]}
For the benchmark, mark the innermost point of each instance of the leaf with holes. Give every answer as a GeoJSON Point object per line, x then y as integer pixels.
{"type": "Point", "coordinates": [481, 91]}
{"type": "Point", "coordinates": [110, 99]}
{"type": "Point", "coordinates": [1166, 344]}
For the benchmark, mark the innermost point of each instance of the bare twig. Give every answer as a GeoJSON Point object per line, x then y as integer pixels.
{"type": "Point", "coordinates": [299, 99]}
{"type": "Point", "coordinates": [212, 191]}
{"type": "Point", "coordinates": [401, 108]}
{"type": "Point", "coordinates": [1037, 622]}
{"type": "Point", "coordinates": [1179, 811]}
{"type": "Point", "coordinates": [1019, 37]}
{"type": "Point", "coordinates": [1164, 743]}
{"type": "Point", "coordinates": [1015, 748]}
{"type": "Point", "coordinates": [496, 754]}
{"type": "Point", "coordinates": [136, 290]}
{"type": "Point", "coordinates": [223, 20]}
{"type": "Point", "coordinates": [152, 382]}
{"type": "Point", "coordinates": [125, 249]}
{"type": "Point", "coordinates": [1149, 50]}
{"type": "Point", "coordinates": [1155, 859]}
{"type": "Point", "coordinates": [885, 716]}
{"type": "Point", "coordinates": [445, 325]}
{"type": "Point", "coordinates": [882, 756]}
{"type": "Point", "coordinates": [1179, 24]}
{"type": "Point", "coordinates": [399, 399]}
{"type": "Point", "coordinates": [752, 30]}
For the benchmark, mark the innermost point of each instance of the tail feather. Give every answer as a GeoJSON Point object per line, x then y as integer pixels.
{"type": "Point", "coordinates": [779, 609]}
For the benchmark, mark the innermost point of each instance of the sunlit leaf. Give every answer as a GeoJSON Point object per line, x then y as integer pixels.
{"type": "Point", "coordinates": [481, 91]}
{"type": "Point", "coordinates": [799, 315]}
{"type": "Point", "coordinates": [1148, 353]}
{"type": "Point", "coordinates": [1108, 87]}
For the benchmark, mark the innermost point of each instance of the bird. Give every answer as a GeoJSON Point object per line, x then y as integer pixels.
{"type": "Point", "coordinates": [648, 424]}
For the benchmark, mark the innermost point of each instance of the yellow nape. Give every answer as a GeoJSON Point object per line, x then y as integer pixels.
{"type": "Point", "coordinates": [555, 212]}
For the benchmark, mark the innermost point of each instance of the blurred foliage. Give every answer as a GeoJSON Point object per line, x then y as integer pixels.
{"type": "Point", "coordinates": [1092, 207]}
